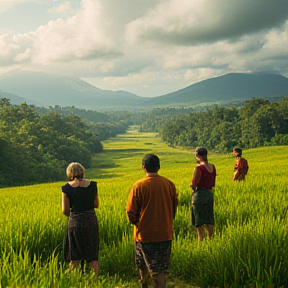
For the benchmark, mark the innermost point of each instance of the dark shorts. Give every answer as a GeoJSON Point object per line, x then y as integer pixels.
{"type": "Point", "coordinates": [153, 256]}
{"type": "Point", "coordinates": [202, 208]}
{"type": "Point", "coordinates": [82, 237]}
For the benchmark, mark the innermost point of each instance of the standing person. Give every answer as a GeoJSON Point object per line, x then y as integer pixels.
{"type": "Point", "coordinates": [151, 208]}
{"type": "Point", "coordinates": [79, 198]}
{"type": "Point", "coordinates": [241, 165]}
{"type": "Point", "coordinates": [202, 184]}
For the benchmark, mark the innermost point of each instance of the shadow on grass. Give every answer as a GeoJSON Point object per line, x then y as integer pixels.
{"type": "Point", "coordinates": [107, 176]}
{"type": "Point", "coordinates": [102, 163]}
{"type": "Point", "coordinates": [123, 153]}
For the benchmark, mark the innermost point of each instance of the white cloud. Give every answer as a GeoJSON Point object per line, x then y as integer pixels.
{"type": "Point", "coordinates": [80, 37]}
{"type": "Point", "coordinates": [15, 48]}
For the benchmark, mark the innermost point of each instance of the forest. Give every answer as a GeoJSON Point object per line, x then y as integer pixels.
{"type": "Point", "coordinates": [258, 123]}
{"type": "Point", "coordinates": [37, 144]}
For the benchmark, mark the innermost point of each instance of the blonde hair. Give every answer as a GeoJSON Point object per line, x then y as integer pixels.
{"type": "Point", "coordinates": [75, 170]}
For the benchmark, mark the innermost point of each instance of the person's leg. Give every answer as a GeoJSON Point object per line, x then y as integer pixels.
{"type": "Point", "coordinates": [95, 267]}
{"type": "Point", "coordinates": [144, 277]}
{"type": "Point", "coordinates": [160, 280]}
{"type": "Point", "coordinates": [200, 232]}
{"type": "Point", "coordinates": [74, 264]}
{"type": "Point", "coordinates": [210, 230]}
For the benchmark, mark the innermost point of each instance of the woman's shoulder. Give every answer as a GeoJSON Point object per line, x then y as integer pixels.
{"type": "Point", "coordinates": [66, 188]}
{"type": "Point", "coordinates": [213, 167]}
{"type": "Point", "coordinates": [93, 183]}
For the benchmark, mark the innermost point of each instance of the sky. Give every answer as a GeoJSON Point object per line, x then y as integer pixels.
{"type": "Point", "coordinates": [146, 47]}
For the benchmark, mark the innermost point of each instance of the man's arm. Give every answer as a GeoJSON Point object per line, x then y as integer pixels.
{"type": "Point", "coordinates": [133, 207]}
{"type": "Point", "coordinates": [237, 169]}
{"type": "Point", "coordinates": [175, 200]}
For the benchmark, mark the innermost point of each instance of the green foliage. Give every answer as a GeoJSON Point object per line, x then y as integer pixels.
{"type": "Point", "coordinates": [37, 149]}
{"type": "Point", "coordinates": [258, 123]}
{"type": "Point", "coordinates": [102, 124]}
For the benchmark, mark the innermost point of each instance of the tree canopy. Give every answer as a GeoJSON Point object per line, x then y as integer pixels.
{"type": "Point", "coordinates": [258, 123]}
{"type": "Point", "coordinates": [37, 149]}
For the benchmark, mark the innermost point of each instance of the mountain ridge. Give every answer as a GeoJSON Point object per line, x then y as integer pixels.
{"type": "Point", "coordinates": [44, 89]}
{"type": "Point", "coordinates": [245, 86]}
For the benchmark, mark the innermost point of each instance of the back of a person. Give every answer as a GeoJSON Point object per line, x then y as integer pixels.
{"type": "Point", "coordinates": [207, 180]}
{"type": "Point", "coordinates": [245, 166]}
{"type": "Point", "coordinates": [81, 198]}
{"type": "Point", "coordinates": [242, 167]}
{"type": "Point", "coordinates": [156, 220]}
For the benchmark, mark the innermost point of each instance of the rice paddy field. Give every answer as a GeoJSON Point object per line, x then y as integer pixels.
{"type": "Point", "coordinates": [249, 249]}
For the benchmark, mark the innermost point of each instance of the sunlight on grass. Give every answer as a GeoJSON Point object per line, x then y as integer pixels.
{"type": "Point", "coordinates": [250, 243]}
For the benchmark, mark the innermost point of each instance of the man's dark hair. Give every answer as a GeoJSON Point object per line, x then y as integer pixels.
{"type": "Point", "coordinates": [151, 163]}
{"type": "Point", "coordinates": [238, 150]}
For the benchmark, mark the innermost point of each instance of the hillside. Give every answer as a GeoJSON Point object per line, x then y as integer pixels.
{"type": "Point", "coordinates": [48, 90]}
{"type": "Point", "coordinates": [15, 99]}
{"type": "Point", "coordinates": [229, 87]}
{"type": "Point", "coordinates": [44, 89]}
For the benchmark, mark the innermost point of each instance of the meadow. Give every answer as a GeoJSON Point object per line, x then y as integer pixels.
{"type": "Point", "coordinates": [249, 249]}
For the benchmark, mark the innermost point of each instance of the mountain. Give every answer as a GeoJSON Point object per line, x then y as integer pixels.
{"type": "Point", "coordinates": [44, 89]}
{"type": "Point", "coordinates": [229, 87]}
{"type": "Point", "coordinates": [15, 99]}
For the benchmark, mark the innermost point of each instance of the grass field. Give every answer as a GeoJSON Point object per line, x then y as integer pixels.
{"type": "Point", "coordinates": [250, 246]}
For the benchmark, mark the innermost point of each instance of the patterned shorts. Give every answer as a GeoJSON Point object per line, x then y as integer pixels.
{"type": "Point", "coordinates": [153, 256]}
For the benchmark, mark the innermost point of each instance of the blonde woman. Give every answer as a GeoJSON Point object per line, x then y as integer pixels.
{"type": "Point", "coordinates": [79, 198]}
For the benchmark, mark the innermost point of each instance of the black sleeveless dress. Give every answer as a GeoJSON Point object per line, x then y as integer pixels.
{"type": "Point", "coordinates": [82, 233]}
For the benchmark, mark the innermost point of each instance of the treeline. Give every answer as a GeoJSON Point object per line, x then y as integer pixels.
{"type": "Point", "coordinates": [37, 148]}
{"type": "Point", "coordinates": [152, 121]}
{"type": "Point", "coordinates": [104, 124]}
{"type": "Point", "coordinates": [258, 123]}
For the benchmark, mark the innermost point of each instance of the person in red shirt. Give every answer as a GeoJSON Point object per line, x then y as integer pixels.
{"type": "Point", "coordinates": [241, 166]}
{"type": "Point", "coordinates": [202, 184]}
{"type": "Point", "coordinates": [151, 208]}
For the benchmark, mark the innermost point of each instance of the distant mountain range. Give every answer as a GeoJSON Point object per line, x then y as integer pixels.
{"type": "Point", "coordinates": [43, 89]}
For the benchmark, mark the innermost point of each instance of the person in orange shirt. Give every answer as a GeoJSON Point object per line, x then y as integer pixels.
{"type": "Point", "coordinates": [151, 208]}
{"type": "Point", "coordinates": [241, 166]}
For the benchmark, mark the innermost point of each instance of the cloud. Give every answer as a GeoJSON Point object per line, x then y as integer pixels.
{"type": "Point", "coordinates": [80, 37]}
{"type": "Point", "coordinates": [16, 49]}
{"type": "Point", "coordinates": [180, 22]}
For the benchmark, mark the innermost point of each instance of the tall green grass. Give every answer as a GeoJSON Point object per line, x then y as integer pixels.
{"type": "Point", "coordinates": [249, 247]}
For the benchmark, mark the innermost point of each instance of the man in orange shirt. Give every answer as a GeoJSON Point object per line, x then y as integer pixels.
{"type": "Point", "coordinates": [151, 208]}
{"type": "Point", "coordinates": [241, 165]}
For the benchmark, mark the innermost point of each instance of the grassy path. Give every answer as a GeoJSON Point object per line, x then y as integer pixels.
{"type": "Point", "coordinates": [122, 155]}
